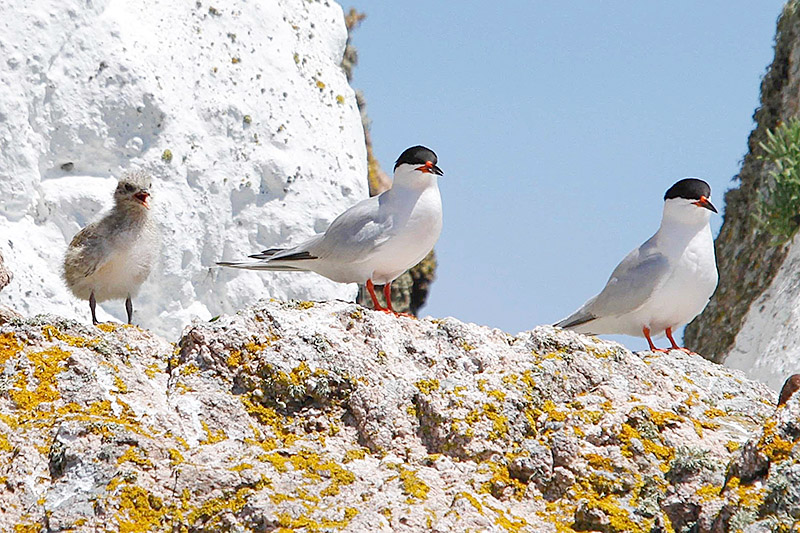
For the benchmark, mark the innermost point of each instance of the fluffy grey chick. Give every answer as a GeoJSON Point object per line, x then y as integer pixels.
{"type": "Point", "coordinates": [109, 259]}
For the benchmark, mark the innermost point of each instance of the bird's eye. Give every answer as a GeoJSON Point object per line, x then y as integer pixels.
{"type": "Point", "coordinates": [129, 187]}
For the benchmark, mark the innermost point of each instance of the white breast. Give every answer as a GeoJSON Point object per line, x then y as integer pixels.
{"type": "Point", "coordinates": [685, 293]}
{"type": "Point", "coordinates": [128, 264]}
{"type": "Point", "coordinates": [410, 242]}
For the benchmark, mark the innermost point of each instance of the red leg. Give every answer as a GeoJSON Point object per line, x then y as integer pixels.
{"type": "Point", "coordinates": [675, 344]}
{"type": "Point", "coordinates": [653, 348]}
{"type": "Point", "coordinates": [669, 336]}
{"type": "Point", "coordinates": [387, 293]}
{"type": "Point", "coordinates": [376, 304]}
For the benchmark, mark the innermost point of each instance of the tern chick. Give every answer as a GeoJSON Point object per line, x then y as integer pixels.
{"type": "Point", "coordinates": [109, 259]}
{"type": "Point", "coordinates": [377, 239]}
{"type": "Point", "coordinates": [664, 283]}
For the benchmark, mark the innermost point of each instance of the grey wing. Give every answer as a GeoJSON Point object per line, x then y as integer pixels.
{"type": "Point", "coordinates": [630, 285]}
{"type": "Point", "coordinates": [86, 250]}
{"type": "Point", "coordinates": [354, 236]}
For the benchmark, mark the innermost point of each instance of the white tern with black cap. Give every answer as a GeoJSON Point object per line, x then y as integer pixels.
{"type": "Point", "coordinates": [664, 283]}
{"type": "Point", "coordinates": [377, 239]}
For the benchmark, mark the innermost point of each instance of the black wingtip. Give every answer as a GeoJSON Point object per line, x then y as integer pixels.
{"type": "Point", "coordinates": [566, 323]}
{"type": "Point", "coordinates": [296, 256]}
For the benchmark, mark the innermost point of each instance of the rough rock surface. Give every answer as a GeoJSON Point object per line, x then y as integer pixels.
{"type": "Point", "coordinates": [5, 274]}
{"type": "Point", "coordinates": [239, 109]}
{"type": "Point", "coordinates": [329, 417]}
{"type": "Point", "coordinates": [5, 278]}
{"type": "Point", "coordinates": [749, 264]}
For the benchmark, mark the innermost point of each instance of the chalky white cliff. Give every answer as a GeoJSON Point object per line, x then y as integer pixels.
{"type": "Point", "coordinates": [240, 111]}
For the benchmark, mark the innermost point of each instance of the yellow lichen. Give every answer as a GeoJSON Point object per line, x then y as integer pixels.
{"type": "Point", "coordinates": [500, 480]}
{"type": "Point", "coordinates": [235, 358]}
{"type": "Point", "coordinates": [175, 457]}
{"type": "Point", "coordinates": [132, 455]}
{"type": "Point", "coordinates": [553, 413]}
{"type": "Point", "coordinates": [748, 496]}
{"type": "Point", "coordinates": [499, 421]}
{"type": "Point", "coordinates": [27, 528]}
{"type": "Point", "coordinates": [732, 445]}
{"type": "Point", "coordinates": [46, 365]}
{"type": "Point", "coordinates": [708, 493]}
{"type": "Point", "coordinates": [139, 510]}
{"type": "Point", "coordinates": [779, 449]}
{"type": "Point", "coordinates": [427, 386]}
{"type": "Point", "coordinates": [189, 369]}
{"type": "Point", "coordinates": [599, 462]}
{"type": "Point", "coordinates": [9, 347]}
{"type": "Point", "coordinates": [5, 446]}
{"type": "Point", "coordinates": [122, 388]}
{"type": "Point", "coordinates": [212, 436]}
{"type": "Point", "coordinates": [353, 455]}
{"type": "Point", "coordinates": [277, 460]}
{"type": "Point", "coordinates": [472, 500]}
{"type": "Point", "coordinates": [413, 486]}
{"type": "Point", "coordinates": [512, 524]}
{"type": "Point", "coordinates": [497, 395]}
{"type": "Point", "coordinates": [663, 418]}
{"type": "Point", "coordinates": [151, 370]}
{"type": "Point", "coordinates": [51, 332]}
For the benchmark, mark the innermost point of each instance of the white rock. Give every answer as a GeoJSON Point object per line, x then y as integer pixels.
{"type": "Point", "coordinates": [766, 346]}
{"type": "Point", "coordinates": [265, 136]}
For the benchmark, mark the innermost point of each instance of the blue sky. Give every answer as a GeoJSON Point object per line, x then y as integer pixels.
{"type": "Point", "coordinates": [559, 126]}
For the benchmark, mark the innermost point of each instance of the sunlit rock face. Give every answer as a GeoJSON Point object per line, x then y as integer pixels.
{"type": "Point", "coordinates": [239, 110]}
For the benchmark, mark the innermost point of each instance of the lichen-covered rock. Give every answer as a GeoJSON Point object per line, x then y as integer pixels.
{"type": "Point", "coordinates": [762, 488]}
{"type": "Point", "coordinates": [309, 417]}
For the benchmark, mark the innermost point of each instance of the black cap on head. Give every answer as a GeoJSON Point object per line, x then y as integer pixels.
{"type": "Point", "coordinates": [689, 188]}
{"type": "Point", "coordinates": [416, 155]}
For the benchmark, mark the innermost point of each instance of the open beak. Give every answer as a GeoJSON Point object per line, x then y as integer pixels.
{"type": "Point", "coordinates": [142, 196]}
{"type": "Point", "coordinates": [430, 168]}
{"type": "Point", "coordinates": [704, 202]}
